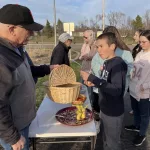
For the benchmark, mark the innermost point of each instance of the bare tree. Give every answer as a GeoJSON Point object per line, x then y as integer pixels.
{"type": "Point", "coordinates": [94, 22]}
{"type": "Point", "coordinates": [112, 19]}
{"type": "Point", "coordinates": [129, 26]}
{"type": "Point", "coordinates": [86, 22]}
{"type": "Point", "coordinates": [129, 23]}
{"type": "Point", "coordinates": [147, 19]}
{"type": "Point", "coordinates": [83, 24]}
{"type": "Point", "coordinates": [120, 21]}
{"type": "Point", "coordinates": [117, 19]}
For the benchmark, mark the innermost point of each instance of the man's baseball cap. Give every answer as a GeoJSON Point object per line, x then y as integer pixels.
{"type": "Point", "coordinates": [64, 37]}
{"type": "Point", "coordinates": [19, 15]}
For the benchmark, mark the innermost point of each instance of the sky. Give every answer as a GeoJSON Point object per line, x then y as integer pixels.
{"type": "Point", "coordinates": [76, 10]}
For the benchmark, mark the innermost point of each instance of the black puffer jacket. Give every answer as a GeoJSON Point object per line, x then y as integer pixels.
{"type": "Point", "coordinates": [60, 55]}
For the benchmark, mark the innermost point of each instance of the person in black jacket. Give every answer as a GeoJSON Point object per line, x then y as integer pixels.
{"type": "Point", "coordinates": [60, 52]}
{"type": "Point", "coordinates": [111, 86]}
{"type": "Point", "coordinates": [17, 88]}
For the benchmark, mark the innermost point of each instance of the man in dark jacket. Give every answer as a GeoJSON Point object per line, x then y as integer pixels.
{"type": "Point", "coordinates": [60, 52]}
{"type": "Point", "coordinates": [17, 87]}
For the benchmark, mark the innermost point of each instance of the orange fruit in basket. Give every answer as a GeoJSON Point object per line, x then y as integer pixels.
{"type": "Point", "coordinates": [80, 100]}
{"type": "Point", "coordinates": [77, 103]}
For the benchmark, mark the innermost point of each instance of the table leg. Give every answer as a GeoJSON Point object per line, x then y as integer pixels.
{"type": "Point", "coordinates": [34, 143]}
{"type": "Point", "coordinates": [93, 142]}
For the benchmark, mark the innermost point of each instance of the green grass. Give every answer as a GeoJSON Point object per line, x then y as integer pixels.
{"type": "Point", "coordinates": [76, 69]}
{"type": "Point", "coordinates": [40, 91]}
{"type": "Point", "coordinates": [42, 39]}
{"type": "Point", "coordinates": [129, 40]}
{"type": "Point", "coordinates": [78, 39]}
{"type": "Point", "coordinates": [51, 39]}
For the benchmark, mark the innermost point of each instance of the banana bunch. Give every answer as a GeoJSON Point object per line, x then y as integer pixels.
{"type": "Point", "coordinates": [80, 112]}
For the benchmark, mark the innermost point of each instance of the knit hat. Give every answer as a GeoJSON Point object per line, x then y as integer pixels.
{"type": "Point", "coordinates": [64, 37]}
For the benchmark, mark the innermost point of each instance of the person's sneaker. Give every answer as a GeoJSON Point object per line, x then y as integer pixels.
{"type": "Point", "coordinates": [97, 125]}
{"type": "Point", "coordinates": [132, 128]}
{"type": "Point", "coordinates": [139, 139]}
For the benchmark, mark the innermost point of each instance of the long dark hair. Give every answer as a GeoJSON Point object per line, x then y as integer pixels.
{"type": "Point", "coordinates": [120, 42]}
{"type": "Point", "coordinates": [111, 38]}
{"type": "Point", "coordinates": [146, 33]}
{"type": "Point", "coordinates": [137, 48]}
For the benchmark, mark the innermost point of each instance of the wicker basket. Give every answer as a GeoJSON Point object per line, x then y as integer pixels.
{"type": "Point", "coordinates": [62, 86]}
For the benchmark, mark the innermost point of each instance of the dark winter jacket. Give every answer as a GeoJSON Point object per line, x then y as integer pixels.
{"type": "Point", "coordinates": [60, 55]}
{"type": "Point", "coordinates": [111, 86]}
{"type": "Point", "coordinates": [17, 88]}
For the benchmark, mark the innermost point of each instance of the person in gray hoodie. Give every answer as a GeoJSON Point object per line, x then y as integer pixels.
{"type": "Point", "coordinates": [17, 87]}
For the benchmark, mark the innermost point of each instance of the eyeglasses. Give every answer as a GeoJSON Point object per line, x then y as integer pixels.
{"type": "Point", "coordinates": [85, 37]}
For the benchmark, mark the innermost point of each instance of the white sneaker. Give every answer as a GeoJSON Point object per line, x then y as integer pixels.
{"type": "Point", "coordinates": [97, 125]}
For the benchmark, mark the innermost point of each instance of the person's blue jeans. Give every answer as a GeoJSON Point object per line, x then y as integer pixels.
{"type": "Point", "coordinates": [141, 110]}
{"type": "Point", "coordinates": [24, 132]}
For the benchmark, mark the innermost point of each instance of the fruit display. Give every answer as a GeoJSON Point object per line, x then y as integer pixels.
{"type": "Point", "coordinates": [68, 116]}
{"type": "Point", "coordinates": [81, 110]}
{"type": "Point", "coordinates": [77, 114]}
{"type": "Point", "coordinates": [80, 100]}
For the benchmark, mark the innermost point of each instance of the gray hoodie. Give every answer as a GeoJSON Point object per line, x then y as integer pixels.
{"type": "Point", "coordinates": [17, 88]}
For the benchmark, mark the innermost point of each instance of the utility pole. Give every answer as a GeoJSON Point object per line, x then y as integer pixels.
{"type": "Point", "coordinates": [103, 14]}
{"type": "Point", "coordinates": [55, 22]}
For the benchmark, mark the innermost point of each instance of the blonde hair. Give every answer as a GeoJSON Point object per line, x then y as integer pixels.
{"type": "Point", "coordinates": [91, 37]}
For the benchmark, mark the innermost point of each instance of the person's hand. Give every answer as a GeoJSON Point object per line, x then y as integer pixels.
{"type": "Point", "coordinates": [84, 75]}
{"type": "Point", "coordinates": [88, 83]}
{"type": "Point", "coordinates": [101, 68]}
{"type": "Point", "coordinates": [141, 88]}
{"type": "Point", "coordinates": [53, 67]}
{"type": "Point", "coordinates": [85, 57]}
{"type": "Point", "coordinates": [20, 144]}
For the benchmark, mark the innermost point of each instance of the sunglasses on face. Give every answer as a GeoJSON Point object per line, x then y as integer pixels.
{"type": "Point", "coordinates": [85, 37]}
{"type": "Point", "coordinates": [70, 40]}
